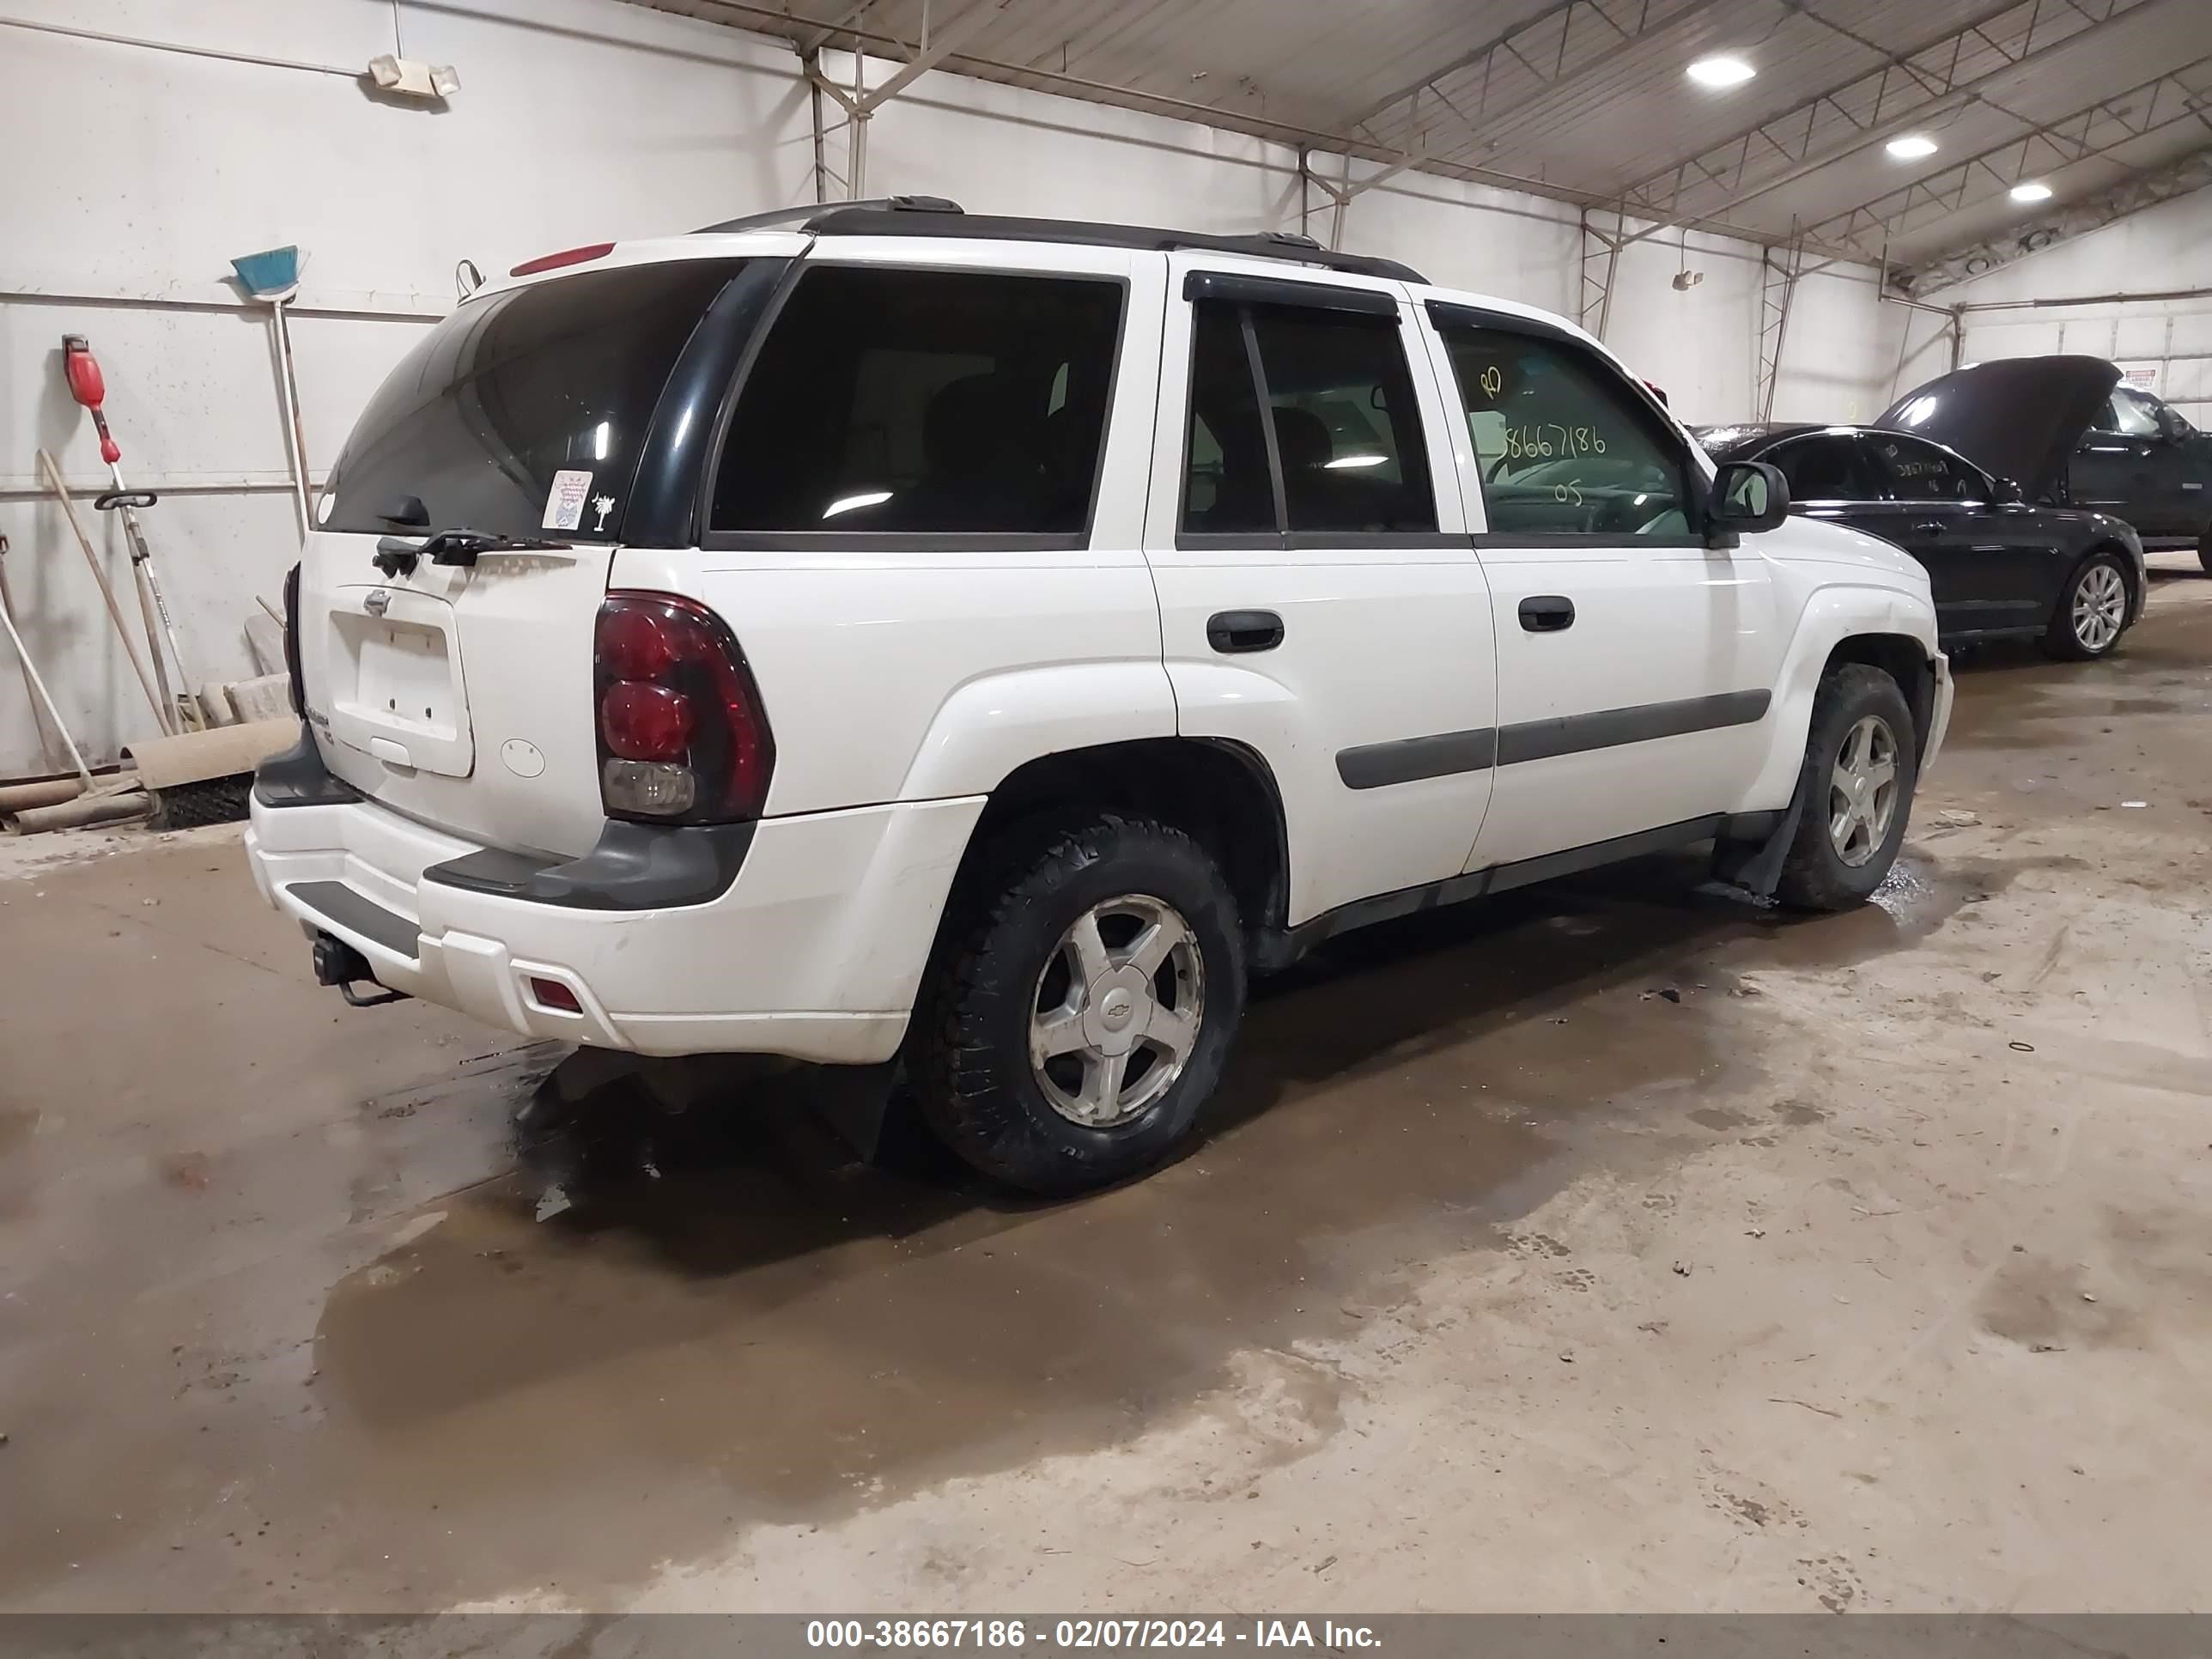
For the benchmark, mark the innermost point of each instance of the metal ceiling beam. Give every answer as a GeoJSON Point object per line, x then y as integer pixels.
{"type": "Point", "coordinates": [763, 18]}
{"type": "Point", "coordinates": [1527, 61]}
{"type": "Point", "coordinates": [1601, 265]}
{"type": "Point", "coordinates": [2185, 95]}
{"type": "Point", "coordinates": [1341, 194]}
{"type": "Point", "coordinates": [2147, 189]}
{"type": "Point", "coordinates": [862, 103]}
{"type": "Point", "coordinates": [1907, 89]}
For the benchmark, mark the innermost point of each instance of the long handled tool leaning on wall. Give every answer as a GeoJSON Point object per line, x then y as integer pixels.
{"type": "Point", "coordinates": [192, 773]}
{"type": "Point", "coordinates": [33, 680]}
{"type": "Point", "coordinates": [89, 387]}
{"type": "Point", "coordinates": [164, 709]}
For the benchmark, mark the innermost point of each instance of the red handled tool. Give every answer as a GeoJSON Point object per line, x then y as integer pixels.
{"type": "Point", "coordinates": [89, 387]}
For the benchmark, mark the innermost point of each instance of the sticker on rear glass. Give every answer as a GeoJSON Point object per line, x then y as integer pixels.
{"type": "Point", "coordinates": [564, 502]}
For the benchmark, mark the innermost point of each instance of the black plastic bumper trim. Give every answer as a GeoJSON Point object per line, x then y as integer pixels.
{"type": "Point", "coordinates": [297, 777]}
{"type": "Point", "coordinates": [357, 912]}
{"type": "Point", "coordinates": [634, 867]}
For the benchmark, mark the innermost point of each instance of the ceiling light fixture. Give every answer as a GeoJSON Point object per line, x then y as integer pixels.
{"type": "Point", "coordinates": [2033, 190]}
{"type": "Point", "coordinates": [1911, 147]}
{"type": "Point", "coordinates": [1718, 72]}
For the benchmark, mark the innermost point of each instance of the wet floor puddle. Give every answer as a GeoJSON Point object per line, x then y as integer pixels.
{"type": "Point", "coordinates": [680, 1323]}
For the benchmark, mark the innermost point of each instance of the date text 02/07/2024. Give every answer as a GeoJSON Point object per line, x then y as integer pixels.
{"type": "Point", "coordinates": [1086, 1633]}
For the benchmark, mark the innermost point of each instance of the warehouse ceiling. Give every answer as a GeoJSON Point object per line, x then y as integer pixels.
{"type": "Point", "coordinates": [1591, 101]}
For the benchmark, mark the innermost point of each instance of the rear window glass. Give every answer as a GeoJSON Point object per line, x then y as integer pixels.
{"type": "Point", "coordinates": [524, 413]}
{"type": "Point", "coordinates": [900, 400]}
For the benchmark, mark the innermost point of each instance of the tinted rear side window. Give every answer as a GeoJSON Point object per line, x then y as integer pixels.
{"type": "Point", "coordinates": [1347, 430]}
{"type": "Point", "coordinates": [1921, 472]}
{"type": "Point", "coordinates": [1826, 468]}
{"type": "Point", "coordinates": [924, 401]}
{"type": "Point", "coordinates": [519, 403]}
{"type": "Point", "coordinates": [1227, 485]}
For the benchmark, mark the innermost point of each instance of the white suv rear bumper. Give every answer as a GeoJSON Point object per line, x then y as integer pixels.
{"type": "Point", "coordinates": [814, 951]}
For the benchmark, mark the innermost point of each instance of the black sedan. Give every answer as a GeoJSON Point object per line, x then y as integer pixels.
{"type": "Point", "coordinates": [2125, 452]}
{"type": "Point", "coordinates": [1999, 564]}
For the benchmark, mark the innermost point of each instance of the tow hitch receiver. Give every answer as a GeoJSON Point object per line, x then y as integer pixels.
{"type": "Point", "coordinates": [338, 964]}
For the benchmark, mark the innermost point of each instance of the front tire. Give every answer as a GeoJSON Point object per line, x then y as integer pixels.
{"type": "Point", "coordinates": [2204, 550]}
{"type": "Point", "coordinates": [1081, 1005]}
{"type": "Point", "coordinates": [1862, 760]}
{"type": "Point", "coordinates": [2092, 611]}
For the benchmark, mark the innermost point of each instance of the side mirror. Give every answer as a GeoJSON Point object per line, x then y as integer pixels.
{"type": "Point", "coordinates": [2007, 492]}
{"type": "Point", "coordinates": [1747, 496]}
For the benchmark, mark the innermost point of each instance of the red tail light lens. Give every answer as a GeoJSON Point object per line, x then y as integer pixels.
{"type": "Point", "coordinates": [683, 737]}
{"type": "Point", "coordinates": [646, 722]}
{"type": "Point", "coordinates": [635, 645]}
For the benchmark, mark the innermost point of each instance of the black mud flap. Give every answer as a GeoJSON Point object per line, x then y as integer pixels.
{"type": "Point", "coordinates": [865, 1110]}
{"type": "Point", "coordinates": [1756, 866]}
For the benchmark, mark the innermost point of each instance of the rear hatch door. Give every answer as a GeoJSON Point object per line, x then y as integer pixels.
{"type": "Point", "coordinates": [568, 411]}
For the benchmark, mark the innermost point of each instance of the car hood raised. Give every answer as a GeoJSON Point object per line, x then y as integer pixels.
{"type": "Point", "coordinates": [2018, 417]}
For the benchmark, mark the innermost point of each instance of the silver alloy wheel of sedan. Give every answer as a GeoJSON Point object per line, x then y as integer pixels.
{"type": "Point", "coordinates": [1117, 1011]}
{"type": "Point", "coordinates": [2101, 607]}
{"type": "Point", "coordinates": [1862, 791]}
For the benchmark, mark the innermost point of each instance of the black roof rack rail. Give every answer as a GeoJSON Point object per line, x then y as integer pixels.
{"type": "Point", "coordinates": [932, 215]}
{"type": "Point", "coordinates": [863, 219]}
{"type": "Point", "coordinates": [804, 213]}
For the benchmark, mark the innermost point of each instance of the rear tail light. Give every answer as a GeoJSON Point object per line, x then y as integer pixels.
{"type": "Point", "coordinates": [683, 737]}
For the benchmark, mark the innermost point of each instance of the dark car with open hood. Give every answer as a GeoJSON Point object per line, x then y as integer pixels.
{"type": "Point", "coordinates": [1972, 474]}
{"type": "Point", "coordinates": [2073, 434]}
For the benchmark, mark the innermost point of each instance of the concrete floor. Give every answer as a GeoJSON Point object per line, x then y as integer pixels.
{"type": "Point", "coordinates": [1614, 1247]}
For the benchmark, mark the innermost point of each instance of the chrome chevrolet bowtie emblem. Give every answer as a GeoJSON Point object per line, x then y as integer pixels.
{"type": "Point", "coordinates": [378, 602]}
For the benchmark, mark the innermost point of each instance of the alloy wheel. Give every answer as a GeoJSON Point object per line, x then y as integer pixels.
{"type": "Point", "coordinates": [1117, 1011]}
{"type": "Point", "coordinates": [1862, 791]}
{"type": "Point", "coordinates": [2101, 607]}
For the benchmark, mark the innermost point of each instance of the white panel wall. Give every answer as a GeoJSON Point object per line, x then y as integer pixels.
{"type": "Point", "coordinates": [2165, 248]}
{"type": "Point", "coordinates": [579, 120]}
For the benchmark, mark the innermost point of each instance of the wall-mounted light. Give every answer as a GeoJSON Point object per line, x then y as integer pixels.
{"type": "Point", "coordinates": [406, 77]}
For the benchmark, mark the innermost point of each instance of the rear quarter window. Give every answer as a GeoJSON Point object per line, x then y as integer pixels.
{"type": "Point", "coordinates": [483, 417]}
{"type": "Point", "coordinates": [889, 399]}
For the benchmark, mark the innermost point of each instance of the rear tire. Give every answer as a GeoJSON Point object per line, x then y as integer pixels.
{"type": "Point", "coordinates": [2204, 550]}
{"type": "Point", "coordinates": [2092, 612]}
{"type": "Point", "coordinates": [1081, 1004]}
{"type": "Point", "coordinates": [1848, 833]}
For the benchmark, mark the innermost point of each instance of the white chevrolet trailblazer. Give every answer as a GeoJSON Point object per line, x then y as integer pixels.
{"type": "Point", "coordinates": [885, 633]}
